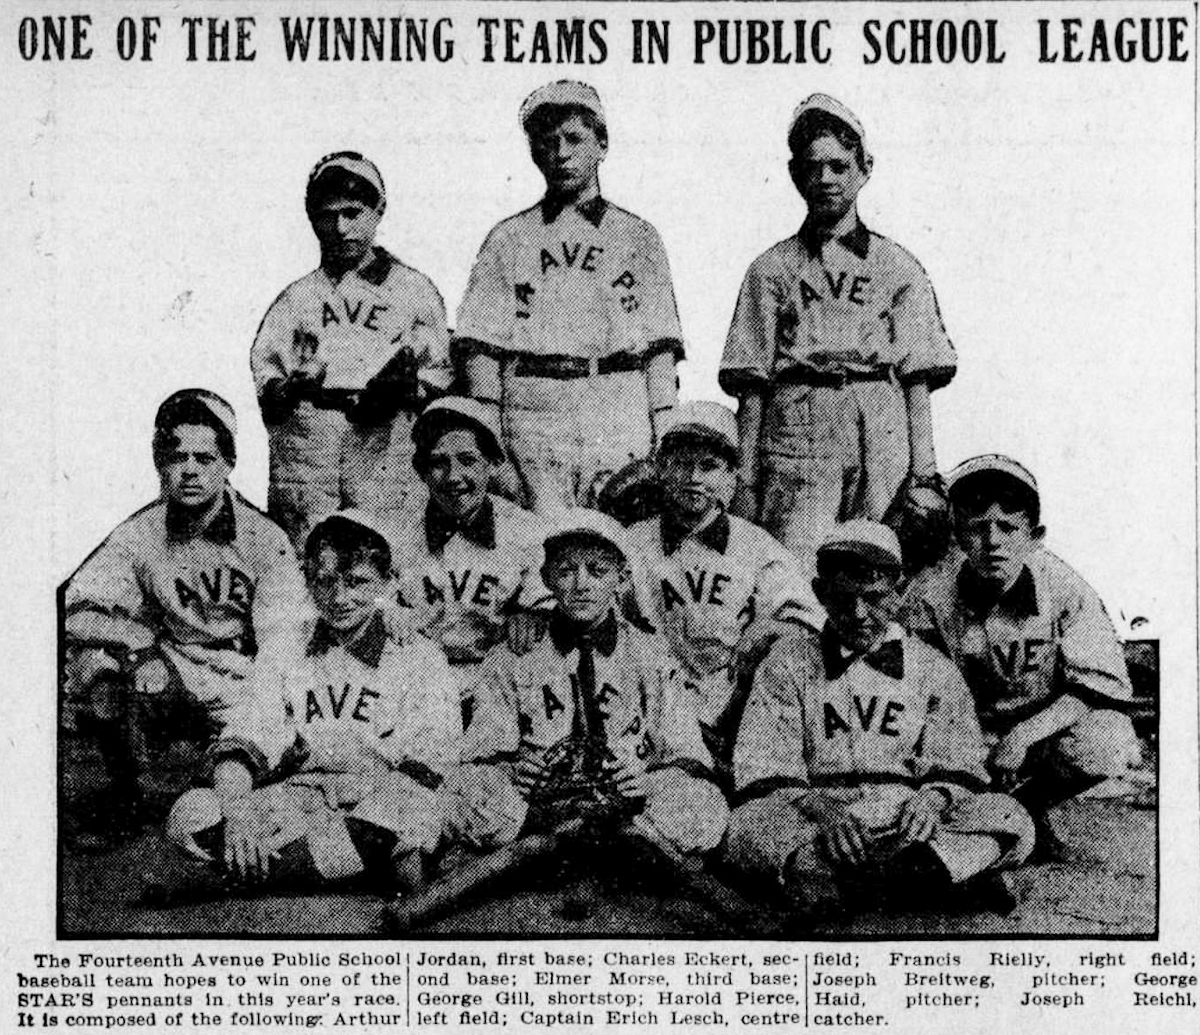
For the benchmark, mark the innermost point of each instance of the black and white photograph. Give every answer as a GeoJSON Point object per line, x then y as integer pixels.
{"type": "Point", "coordinates": [703, 471]}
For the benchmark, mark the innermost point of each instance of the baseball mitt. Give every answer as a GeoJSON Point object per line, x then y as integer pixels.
{"type": "Point", "coordinates": [920, 517]}
{"type": "Point", "coordinates": [631, 494]}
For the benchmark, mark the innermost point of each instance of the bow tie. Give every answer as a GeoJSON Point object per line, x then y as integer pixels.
{"type": "Point", "coordinates": [887, 658]}
{"type": "Point", "coordinates": [440, 527]}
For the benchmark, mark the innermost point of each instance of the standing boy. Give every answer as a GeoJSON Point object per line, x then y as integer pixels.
{"type": "Point", "coordinates": [594, 712]}
{"type": "Point", "coordinates": [860, 761]}
{"type": "Point", "coordinates": [568, 329]}
{"type": "Point", "coordinates": [333, 765]}
{"type": "Point", "coordinates": [1032, 639]}
{"type": "Point", "coordinates": [835, 346]}
{"type": "Point", "coordinates": [165, 618]}
{"type": "Point", "coordinates": [720, 586]}
{"type": "Point", "coordinates": [344, 358]}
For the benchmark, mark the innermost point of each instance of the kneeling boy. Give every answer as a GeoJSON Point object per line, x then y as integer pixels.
{"type": "Point", "coordinates": [362, 732]}
{"type": "Point", "coordinates": [594, 713]}
{"type": "Point", "coordinates": [859, 763]}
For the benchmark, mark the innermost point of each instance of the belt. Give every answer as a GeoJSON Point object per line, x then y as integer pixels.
{"type": "Point", "coordinates": [833, 378]}
{"type": "Point", "coordinates": [566, 368]}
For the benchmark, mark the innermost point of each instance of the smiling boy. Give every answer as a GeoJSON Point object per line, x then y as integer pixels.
{"type": "Point", "coordinates": [344, 358]}
{"type": "Point", "coordinates": [860, 762]}
{"type": "Point", "coordinates": [333, 765]}
{"type": "Point", "coordinates": [568, 328]}
{"type": "Point", "coordinates": [1033, 641]}
{"type": "Point", "coordinates": [593, 713]}
{"type": "Point", "coordinates": [835, 345]}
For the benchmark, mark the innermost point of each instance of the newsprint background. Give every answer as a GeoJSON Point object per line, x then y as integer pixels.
{"type": "Point", "coordinates": [154, 209]}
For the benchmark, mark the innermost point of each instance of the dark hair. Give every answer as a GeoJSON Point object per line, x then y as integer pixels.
{"type": "Point", "coordinates": [975, 493]}
{"type": "Point", "coordinates": [547, 116]}
{"type": "Point", "coordinates": [831, 563]}
{"type": "Point", "coordinates": [351, 542]}
{"type": "Point", "coordinates": [336, 182]}
{"type": "Point", "coordinates": [188, 411]}
{"type": "Point", "coordinates": [818, 123]}
{"type": "Point", "coordinates": [444, 422]}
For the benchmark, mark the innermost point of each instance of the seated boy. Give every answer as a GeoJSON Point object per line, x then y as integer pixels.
{"type": "Point", "coordinates": [334, 766]}
{"type": "Point", "coordinates": [593, 713]}
{"type": "Point", "coordinates": [719, 585]}
{"type": "Point", "coordinates": [859, 763]}
{"type": "Point", "coordinates": [1033, 641]}
{"type": "Point", "coordinates": [468, 560]}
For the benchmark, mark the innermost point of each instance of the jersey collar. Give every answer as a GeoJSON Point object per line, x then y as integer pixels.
{"type": "Point", "coordinates": [592, 210]}
{"type": "Point", "coordinates": [714, 535]}
{"type": "Point", "coordinates": [479, 529]}
{"type": "Point", "coordinates": [567, 636]}
{"type": "Point", "coordinates": [367, 646]}
{"type": "Point", "coordinates": [855, 237]}
{"type": "Point", "coordinates": [887, 658]}
{"type": "Point", "coordinates": [221, 529]}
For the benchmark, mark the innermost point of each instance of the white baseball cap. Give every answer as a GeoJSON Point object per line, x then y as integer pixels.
{"type": "Point", "coordinates": [708, 422]}
{"type": "Point", "coordinates": [562, 93]}
{"type": "Point", "coordinates": [874, 543]}
{"type": "Point", "coordinates": [457, 409]}
{"type": "Point", "coordinates": [339, 168]}
{"type": "Point", "coordinates": [830, 106]}
{"type": "Point", "coordinates": [582, 523]}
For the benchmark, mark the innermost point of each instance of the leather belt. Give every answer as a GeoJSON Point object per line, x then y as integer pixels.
{"type": "Point", "coordinates": [566, 368]}
{"type": "Point", "coordinates": [834, 378]}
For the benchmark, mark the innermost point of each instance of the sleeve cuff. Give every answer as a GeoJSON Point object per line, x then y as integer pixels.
{"type": "Point", "coordinates": [239, 749]}
{"type": "Point", "coordinates": [736, 381]}
{"type": "Point", "coordinates": [935, 377]}
{"type": "Point", "coordinates": [692, 767]}
{"type": "Point", "coordinates": [762, 788]}
{"type": "Point", "coordinates": [659, 345]}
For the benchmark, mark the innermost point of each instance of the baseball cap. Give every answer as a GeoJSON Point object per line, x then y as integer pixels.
{"type": "Point", "coordinates": [345, 173]}
{"type": "Point", "coordinates": [581, 523]}
{"type": "Point", "coordinates": [452, 410]}
{"type": "Point", "coordinates": [562, 93]}
{"type": "Point", "coordinates": [175, 409]}
{"type": "Point", "coordinates": [710, 423]}
{"type": "Point", "coordinates": [991, 465]}
{"type": "Point", "coordinates": [822, 102]}
{"type": "Point", "coordinates": [874, 543]}
{"type": "Point", "coordinates": [356, 522]}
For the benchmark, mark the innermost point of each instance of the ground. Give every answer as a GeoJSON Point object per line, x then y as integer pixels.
{"type": "Point", "coordinates": [1107, 889]}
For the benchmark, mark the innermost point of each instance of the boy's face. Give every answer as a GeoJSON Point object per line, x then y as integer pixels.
{"type": "Point", "coordinates": [997, 543]}
{"type": "Point", "coordinates": [695, 479]}
{"type": "Point", "coordinates": [568, 155]}
{"type": "Point", "coordinates": [458, 473]}
{"type": "Point", "coordinates": [345, 595]}
{"type": "Point", "coordinates": [345, 229]}
{"type": "Point", "coordinates": [585, 579]}
{"type": "Point", "coordinates": [193, 473]}
{"type": "Point", "coordinates": [828, 177]}
{"type": "Point", "coordinates": [860, 605]}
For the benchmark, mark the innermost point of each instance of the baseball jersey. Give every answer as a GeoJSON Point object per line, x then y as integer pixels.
{"type": "Point", "coordinates": [355, 323]}
{"type": "Point", "coordinates": [706, 588]}
{"type": "Point", "coordinates": [235, 586]}
{"type": "Point", "coordinates": [857, 302]}
{"type": "Point", "coordinates": [589, 281]}
{"type": "Point", "coordinates": [1048, 635]}
{"type": "Point", "coordinates": [819, 716]}
{"type": "Point", "coordinates": [460, 583]}
{"type": "Point", "coordinates": [547, 702]}
{"type": "Point", "coordinates": [349, 709]}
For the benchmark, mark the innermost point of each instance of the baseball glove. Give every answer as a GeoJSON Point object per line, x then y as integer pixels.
{"type": "Point", "coordinates": [631, 494]}
{"type": "Point", "coordinates": [920, 517]}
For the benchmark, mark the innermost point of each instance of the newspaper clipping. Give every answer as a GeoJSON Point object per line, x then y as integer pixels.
{"type": "Point", "coordinates": [646, 516]}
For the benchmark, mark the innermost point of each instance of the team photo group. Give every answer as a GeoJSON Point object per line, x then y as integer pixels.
{"type": "Point", "coordinates": [519, 619]}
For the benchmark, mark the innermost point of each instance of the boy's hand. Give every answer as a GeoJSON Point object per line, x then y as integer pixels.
{"type": "Point", "coordinates": [523, 630]}
{"type": "Point", "coordinates": [531, 774]}
{"type": "Point", "coordinates": [842, 837]}
{"type": "Point", "coordinates": [1008, 758]}
{"type": "Point", "coordinates": [309, 374]}
{"type": "Point", "coordinates": [921, 814]}
{"type": "Point", "coordinates": [629, 781]}
{"type": "Point", "coordinates": [246, 857]}
{"type": "Point", "coordinates": [753, 646]}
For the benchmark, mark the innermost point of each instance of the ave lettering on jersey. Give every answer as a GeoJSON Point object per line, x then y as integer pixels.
{"type": "Point", "coordinates": [463, 587]}
{"type": "Point", "coordinates": [221, 587]}
{"type": "Point", "coordinates": [1021, 657]}
{"type": "Point", "coordinates": [701, 586]}
{"type": "Point", "coordinates": [335, 703]}
{"type": "Point", "coordinates": [867, 713]}
{"type": "Point", "coordinates": [853, 288]}
{"type": "Point", "coordinates": [351, 314]}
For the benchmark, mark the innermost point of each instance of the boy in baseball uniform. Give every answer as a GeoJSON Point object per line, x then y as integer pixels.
{"type": "Point", "coordinates": [719, 586]}
{"type": "Point", "coordinates": [860, 763]}
{"type": "Point", "coordinates": [344, 358]}
{"type": "Point", "coordinates": [594, 713]}
{"type": "Point", "coordinates": [1033, 641]}
{"type": "Point", "coordinates": [333, 766]}
{"type": "Point", "coordinates": [467, 561]}
{"type": "Point", "coordinates": [568, 328]}
{"type": "Point", "coordinates": [164, 620]}
{"type": "Point", "coordinates": [834, 348]}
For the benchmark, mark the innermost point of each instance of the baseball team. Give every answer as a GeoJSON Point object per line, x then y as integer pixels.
{"type": "Point", "coordinates": [509, 585]}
